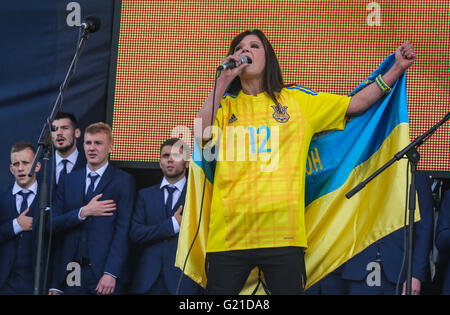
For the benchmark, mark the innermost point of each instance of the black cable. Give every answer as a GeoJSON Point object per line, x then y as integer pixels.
{"type": "Point", "coordinates": [203, 190]}
{"type": "Point", "coordinates": [405, 244]}
{"type": "Point", "coordinates": [50, 220]}
{"type": "Point", "coordinates": [260, 281]}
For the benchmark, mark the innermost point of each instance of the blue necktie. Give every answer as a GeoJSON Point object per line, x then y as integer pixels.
{"type": "Point", "coordinates": [90, 191]}
{"type": "Point", "coordinates": [24, 204]}
{"type": "Point", "coordinates": [63, 172]}
{"type": "Point", "coordinates": [83, 250]}
{"type": "Point", "coordinates": [169, 201]}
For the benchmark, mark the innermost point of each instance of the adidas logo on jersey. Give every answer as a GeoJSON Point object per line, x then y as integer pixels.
{"type": "Point", "coordinates": [232, 119]}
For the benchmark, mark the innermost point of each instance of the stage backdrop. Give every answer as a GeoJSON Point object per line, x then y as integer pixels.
{"type": "Point", "coordinates": [167, 52]}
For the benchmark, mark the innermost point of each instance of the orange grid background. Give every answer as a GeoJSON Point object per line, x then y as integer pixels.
{"type": "Point", "coordinates": [168, 52]}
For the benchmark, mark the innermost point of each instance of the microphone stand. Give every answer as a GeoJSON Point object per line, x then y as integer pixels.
{"type": "Point", "coordinates": [44, 150]}
{"type": "Point", "coordinates": [413, 156]}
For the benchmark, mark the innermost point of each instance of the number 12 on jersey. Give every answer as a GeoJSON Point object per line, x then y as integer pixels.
{"type": "Point", "coordinates": [264, 131]}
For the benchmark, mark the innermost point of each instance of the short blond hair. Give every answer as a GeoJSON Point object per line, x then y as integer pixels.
{"type": "Point", "coordinates": [99, 127]}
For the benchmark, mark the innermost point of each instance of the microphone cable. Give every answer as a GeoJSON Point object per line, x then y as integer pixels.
{"type": "Point", "coordinates": [50, 216]}
{"type": "Point", "coordinates": [405, 230]}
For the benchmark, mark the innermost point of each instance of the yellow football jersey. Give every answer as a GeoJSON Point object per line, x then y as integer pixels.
{"type": "Point", "coordinates": [261, 151]}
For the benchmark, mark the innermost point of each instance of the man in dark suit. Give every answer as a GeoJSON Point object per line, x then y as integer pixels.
{"type": "Point", "coordinates": [443, 243]}
{"type": "Point", "coordinates": [64, 138]}
{"type": "Point", "coordinates": [376, 269]}
{"type": "Point", "coordinates": [19, 217]}
{"type": "Point", "coordinates": [65, 134]}
{"type": "Point", "coordinates": [93, 208]}
{"type": "Point", "coordinates": [156, 224]}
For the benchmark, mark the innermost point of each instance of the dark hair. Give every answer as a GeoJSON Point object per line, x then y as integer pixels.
{"type": "Point", "coordinates": [273, 80]}
{"type": "Point", "coordinates": [22, 145]}
{"type": "Point", "coordinates": [172, 141]}
{"type": "Point", "coordinates": [70, 116]}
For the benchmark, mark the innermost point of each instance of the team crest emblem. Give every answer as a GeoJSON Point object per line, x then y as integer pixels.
{"type": "Point", "coordinates": [280, 114]}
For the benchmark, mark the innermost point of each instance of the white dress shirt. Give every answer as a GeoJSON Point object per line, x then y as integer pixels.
{"type": "Point", "coordinates": [176, 195]}
{"type": "Point", "coordinates": [99, 172]}
{"type": "Point", "coordinates": [72, 160]}
{"type": "Point", "coordinates": [16, 188]}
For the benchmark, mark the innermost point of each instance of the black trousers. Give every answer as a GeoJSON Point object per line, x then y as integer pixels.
{"type": "Point", "coordinates": [283, 268]}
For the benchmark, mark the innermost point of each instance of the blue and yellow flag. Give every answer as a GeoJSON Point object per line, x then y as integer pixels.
{"type": "Point", "coordinates": [337, 228]}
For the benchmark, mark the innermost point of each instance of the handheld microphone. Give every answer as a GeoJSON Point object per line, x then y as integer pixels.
{"type": "Point", "coordinates": [91, 24]}
{"type": "Point", "coordinates": [232, 64]}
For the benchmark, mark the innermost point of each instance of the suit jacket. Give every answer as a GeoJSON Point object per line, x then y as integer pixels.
{"type": "Point", "coordinates": [8, 240]}
{"type": "Point", "coordinates": [108, 243]}
{"type": "Point", "coordinates": [391, 247]}
{"type": "Point", "coordinates": [57, 238]}
{"type": "Point", "coordinates": [79, 164]}
{"type": "Point", "coordinates": [443, 242]}
{"type": "Point", "coordinates": [157, 243]}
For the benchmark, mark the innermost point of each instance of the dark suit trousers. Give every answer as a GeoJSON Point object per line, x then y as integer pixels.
{"type": "Point", "coordinates": [332, 284]}
{"type": "Point", "coordinates": [159, 287]}
{"type": "Point", "coordinates": [17, 285]}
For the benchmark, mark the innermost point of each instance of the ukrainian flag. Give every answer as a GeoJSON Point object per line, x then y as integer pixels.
{"type": "Point", "coordinates": [337, 228]}
{"type": "Point", "coordinates": [194, 229]}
